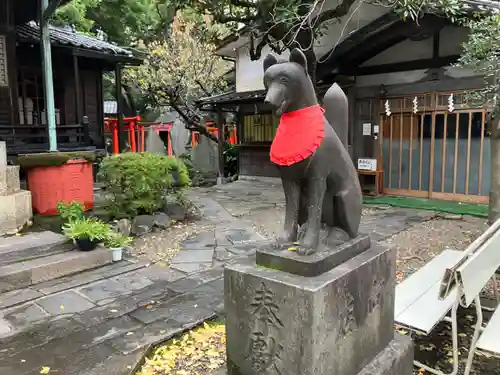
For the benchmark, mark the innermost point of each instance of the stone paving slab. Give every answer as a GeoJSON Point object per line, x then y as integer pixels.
{"type": "Point", "coordinates": [237, 236]}
{"type": "Point", "coordinates": [125, 305]}
{"type": "Point", "coordinates": [191, 267]}
{"type": "Point", "coordinates": [77, 342]}
{"type": "Point", "coordinates": [104, 290]}
{"type": "Point", "coordinates": [37, 335]}
{"type": "Point", "coordinates": [186, 284]}
{"type": "Point", "coordinates": [147, 335]}
{"type": "Point", "coordinates": [201, 241]}
{"type": "Point", "coordinates": [72, 281]}
{"type": "Point", "coordinates": [157, 273]}
{"type": "Point", "coordinates": [16, 297]}
{"type": "Point", "coordinates": [68, 302]}
{"type": "Point", "coordinates": [24, 316]}
{"type": "Point", "coordinates": [193, 256]}
{"type": "Point", "coordinates": [75, 363]}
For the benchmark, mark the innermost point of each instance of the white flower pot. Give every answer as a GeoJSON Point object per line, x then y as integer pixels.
{"type": "Point", "coordinates": [117, 254]}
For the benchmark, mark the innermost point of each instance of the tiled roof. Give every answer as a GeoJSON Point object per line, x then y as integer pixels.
{"type": "Point", "coordinates": [64, 37]}
{"type": "Point", "coordinates": [233, 97]}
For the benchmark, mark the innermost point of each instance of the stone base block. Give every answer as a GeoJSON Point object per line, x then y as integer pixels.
{"type": "Point", "coordinates": [395, 359]}
{"type": "Point", "coordinates": [311, 265]}
{"type": "Point", "coordinates": [9, 180]}
{"type": "Point", "coordinates": [334, 323]}
{"type": "Point", "coordinates": [15, 211]}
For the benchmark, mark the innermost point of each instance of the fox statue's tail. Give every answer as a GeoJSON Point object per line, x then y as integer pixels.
{"type": "Point", "coordinates": [337, 112]}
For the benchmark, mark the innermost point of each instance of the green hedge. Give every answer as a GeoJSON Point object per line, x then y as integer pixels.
{"type": "Point", "coordinates": [137, 183]}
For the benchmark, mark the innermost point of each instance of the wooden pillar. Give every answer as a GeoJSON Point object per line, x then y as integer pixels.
{"type": "Point", "coordinates": [78, 91]}
{"type": "Point", "coordinates": [220, 131]}
{"type": "Point", "coordinates": [86, 132]}
{"type": "Point", "coordinates": [353, 134]}
{"type": "Point", "coordinates": [119, 105]}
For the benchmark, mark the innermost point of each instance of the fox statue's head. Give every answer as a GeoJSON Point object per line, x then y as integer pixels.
{"type": "Point", "coordinates": [288, 84]}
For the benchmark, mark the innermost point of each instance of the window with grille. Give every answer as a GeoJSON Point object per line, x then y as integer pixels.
{"type": "Point", "coordinates": [4, 78]}
{"type": "Point", "coordinates": [259, 128]}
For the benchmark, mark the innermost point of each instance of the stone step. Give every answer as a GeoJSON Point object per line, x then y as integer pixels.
{"type": "Point", "coordinates": [23, 274]}
{"type": "Point", "coordinates": [32, 245]}
{"type": "Point", "coordinates": [9, 180]}
{"type": "Point", "coordinates": [15, 211]}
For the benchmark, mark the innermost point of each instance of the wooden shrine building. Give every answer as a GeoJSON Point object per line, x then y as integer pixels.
{"type": "Point", "coordinates": [78, 64]}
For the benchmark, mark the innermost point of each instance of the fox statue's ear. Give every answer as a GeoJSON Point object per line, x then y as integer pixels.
{"type": "Point", "coordinates": [297, 56]}
{"type": "Point", "coordinates": [269, 61]}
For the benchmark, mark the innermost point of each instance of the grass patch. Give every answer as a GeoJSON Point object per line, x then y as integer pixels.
{"type": "Point", "coordinates": [479, 210]}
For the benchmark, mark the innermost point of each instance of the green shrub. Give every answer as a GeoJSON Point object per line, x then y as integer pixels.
{"type": "Point", "coordinates": [70, 211]}
{"type": "Point", "coordinates": [137, 183]}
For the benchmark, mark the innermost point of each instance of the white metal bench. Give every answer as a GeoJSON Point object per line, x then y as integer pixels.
{"type": "Point", "coordinates": [452, 279]}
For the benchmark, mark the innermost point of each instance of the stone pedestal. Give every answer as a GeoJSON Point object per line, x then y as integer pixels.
{"type": "Point", "coordinates": [339, 322]}
{"type": "Point", "coordinates": [15, 204]}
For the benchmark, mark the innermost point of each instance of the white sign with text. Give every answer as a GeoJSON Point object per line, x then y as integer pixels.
{"type": "Point", "coordinates": [366, 164]}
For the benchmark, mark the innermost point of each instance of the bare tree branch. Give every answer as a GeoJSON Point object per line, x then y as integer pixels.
{"type": "Point", "coordinates": [192, 121]}
{"type": "Point", "coordinates": [256, 52]}
{"type": "Point", "coordinates": [339, 11]}
{"type": "Point", "coordinates": [236, 19]}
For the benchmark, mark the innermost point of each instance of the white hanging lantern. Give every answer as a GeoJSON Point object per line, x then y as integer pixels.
{"type": "Point", "coordinates": [387, 108]}
{"type": "Point", "coordinates": [451, 106]}
{"type": "Point", "coordinates": [415, 105]}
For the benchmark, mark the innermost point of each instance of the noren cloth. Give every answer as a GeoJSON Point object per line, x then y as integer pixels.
{"type": "Point", "coordinates": [299, 134]}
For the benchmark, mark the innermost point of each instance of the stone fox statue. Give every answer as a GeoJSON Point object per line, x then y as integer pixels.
{"type": "Point", "coordinates": [310, 148]}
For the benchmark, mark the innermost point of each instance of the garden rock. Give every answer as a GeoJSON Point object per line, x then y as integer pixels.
{"type": "Point", "coordinates": [161, 220]}
{"type": "Point", "coordinates": [175, 211]}
{"type": "Point", "coordinates": [123, 226]}
{"type": "Point", "coordinates": [142, 224]}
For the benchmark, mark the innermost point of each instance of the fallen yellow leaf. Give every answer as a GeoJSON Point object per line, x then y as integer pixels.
{"type": "Point", "coordinates": [292, 249]}
{"type": "Point", "coordinates": [45, 370]}
{"type": "Point", "coordinates": [149, 306]}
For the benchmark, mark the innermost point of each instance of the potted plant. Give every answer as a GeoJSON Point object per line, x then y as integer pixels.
{"type": "Point", "coordinates": [86, 233]}
{"type": "Point", "coordinates": [116, 242]}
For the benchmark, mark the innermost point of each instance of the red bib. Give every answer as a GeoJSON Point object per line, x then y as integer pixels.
{"type": "Point", "coordinates": [299, 134]}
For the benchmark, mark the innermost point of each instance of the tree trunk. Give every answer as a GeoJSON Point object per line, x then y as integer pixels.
{"type": "Point", "coordinates": [494, 206]}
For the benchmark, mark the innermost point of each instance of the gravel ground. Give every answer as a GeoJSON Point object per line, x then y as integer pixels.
{"type": "Point", "coordinates": [161, 246]}
{"type": "Point", "coordinates": [425, 240]}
